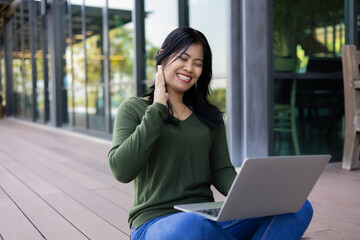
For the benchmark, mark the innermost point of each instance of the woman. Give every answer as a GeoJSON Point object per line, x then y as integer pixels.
{"type": "Point", "coordinates": [172, 144]}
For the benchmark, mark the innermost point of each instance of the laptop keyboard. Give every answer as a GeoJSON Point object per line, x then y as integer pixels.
{"type": "Point", "coordinates": [212, 211]}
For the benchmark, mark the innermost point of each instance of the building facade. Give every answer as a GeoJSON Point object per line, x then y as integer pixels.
{"type": "Point", "coordinates": [70, 63]}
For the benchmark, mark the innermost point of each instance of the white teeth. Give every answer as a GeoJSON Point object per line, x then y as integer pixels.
{"type": "Point", "coordinates": [182, 77]}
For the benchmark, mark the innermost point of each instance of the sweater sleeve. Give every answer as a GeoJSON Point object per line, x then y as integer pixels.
{"type": "Point", "coordinates": [134, 139]}
{"type": "Point", "coordinates": [223, 172]}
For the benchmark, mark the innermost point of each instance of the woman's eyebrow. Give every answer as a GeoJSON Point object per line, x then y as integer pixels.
{"type": "Point", "coordinates": [198, 59]}
{"type": "Point", "coordinates": [184, 53]}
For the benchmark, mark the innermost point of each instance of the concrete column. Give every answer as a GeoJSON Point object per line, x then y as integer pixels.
{"type": "Point", "coordinates": [249, 91]}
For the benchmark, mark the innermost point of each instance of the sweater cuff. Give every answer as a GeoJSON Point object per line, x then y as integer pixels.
{"type": "Point", "coordinates": [160, 108]}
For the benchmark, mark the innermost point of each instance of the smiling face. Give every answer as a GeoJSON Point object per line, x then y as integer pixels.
{"type": "Point", "coordinates": [184, 69]}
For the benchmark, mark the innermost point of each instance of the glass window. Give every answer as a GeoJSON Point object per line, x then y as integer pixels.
{"type": "Point", "coordinates": [67, 65]}
{"type": "Point", "coordinates": [209, 17]}
{"type": "Point", "coordinates": [77, 68]}
{"type": "Point", "coordinates": [38, 8]}
{"type": "Point", "coordinates": [70, 107]}
{"type": "Point", "coordinates": [121, 31]}
{"type": "Point", "coordinates": [313, 33]}
{"type": "Point", "coordinates": [119, 93]}
{"type": "Point", "coordinates": [159, 22]}
{"type": "Point", "coordinates": [27, 72]}
{"type": "Point", "coordinates": [121, 52]}
{"type": "Point", "coordinates": [40, 98]}
{"type": "Point", "coordinates": [78, 47]}
{"type": "Point", "coordinates": [94, 67]}
{"type": "Point", "coordinates": [39, 61]}
{"type": "Point", "coordinates": [96, 107]}
{"type": "Point", "coordinates": [18, 86]}
{"type": "Point", "coordinates": [26, 15]}
{"type": "Point", "coordinates": [94, 42]}
{"type": "Point", "coordinates": [79, 107]}
{"type": "Point", "coordinates": [69, 72]}
{"type": "Point", "coordinates": [308, 29]}
{"type": "Point", "coordinates": [47, 67]}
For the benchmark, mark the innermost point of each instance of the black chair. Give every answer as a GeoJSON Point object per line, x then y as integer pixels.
{"type": "Point", "coordinates": [285, 98]}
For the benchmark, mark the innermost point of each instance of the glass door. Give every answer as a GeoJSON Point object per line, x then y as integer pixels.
{"type": "Point", "coordinates": [312, 33]}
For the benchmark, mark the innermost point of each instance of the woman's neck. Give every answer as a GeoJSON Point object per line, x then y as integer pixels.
{"type": "Point", "coordinates": [176, 98]}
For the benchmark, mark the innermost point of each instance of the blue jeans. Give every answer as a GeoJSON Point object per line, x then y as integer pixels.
{"type": "Point", "coordinates": [191, 226]}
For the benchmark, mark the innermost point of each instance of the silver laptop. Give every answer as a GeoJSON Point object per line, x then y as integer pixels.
{"type": "Point", "coordinates": [265, 186]}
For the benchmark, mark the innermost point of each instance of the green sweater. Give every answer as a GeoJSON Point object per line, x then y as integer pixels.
{"type": "Point", "coordinates": [169, 164]}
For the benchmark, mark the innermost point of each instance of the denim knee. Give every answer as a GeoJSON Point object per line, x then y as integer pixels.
{"type": "Point", "coordinates": [185, 226]}
{"type": "Point", "coordinates": [307, 212]}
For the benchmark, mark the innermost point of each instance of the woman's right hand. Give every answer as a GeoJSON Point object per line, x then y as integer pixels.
{"type": "Point", "coordinates": [160, 94]}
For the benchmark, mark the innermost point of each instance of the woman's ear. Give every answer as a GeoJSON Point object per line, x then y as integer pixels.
{"type": "Point", "coordinates": [159, 52]}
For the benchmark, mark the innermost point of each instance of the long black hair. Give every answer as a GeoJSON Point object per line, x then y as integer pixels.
{"type": "Point", "coordinates": [196, 98]}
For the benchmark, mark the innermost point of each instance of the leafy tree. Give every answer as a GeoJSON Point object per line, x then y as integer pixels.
{"type": "Point", "coordinates": [218, 98]}
{"type": "Point", "coordinates": [121, 52]}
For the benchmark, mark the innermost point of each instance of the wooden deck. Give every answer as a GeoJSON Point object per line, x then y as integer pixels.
{"type": "Point", "coordinates": [56, 184]}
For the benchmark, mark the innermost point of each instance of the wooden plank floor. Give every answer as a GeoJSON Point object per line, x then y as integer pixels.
{"type": "Point", "coordinates": [56, 184]}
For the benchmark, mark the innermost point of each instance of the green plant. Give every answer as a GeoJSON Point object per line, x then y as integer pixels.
{"type": "Point", "coordinates": [295, 21]}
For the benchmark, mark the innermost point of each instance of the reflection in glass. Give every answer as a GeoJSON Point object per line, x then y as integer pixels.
{"type": "Point", "coordinates": [94, 43]}
{"type": "Point", "coordinates": [76, 70]}
{"type": "Point", "coordinates": [314, 33]}
{"type": "Point", "coordinates": [209, 17]}
{"type": "Point", "coordinates": [121, 31]}
{"type": "Point", "coordinates": [18, 103]}
{"type": "Point", "coordinates": [39, 62]}
{"type": "Point", "coordinates": [80, 108]}
{"type": "Point", "coordinates": [39, 72]}
{"type": "Point", "coordinates": [66, 41]}
{"type": "Point", "coordinates": [38, 8]}
{"type": "Point", "coordinates": [308, 29]}
{"type": "Point", "coordinates": [26, 57]}
{"type": "Point", "coordinates": [67, 62]}
{"type": "Point", "coordinates": [40, 98]}
{"type": "Point", "coordinates": [121, 52]}
{"type": "Point", "coordinates": [26, 14]}
{"type": "Point", "coordinates": [27, 72]}
{"type": "Point", "coordinates": [18, 86]}
{"type": "Point", "coordinates": [39, 59]}
{"type": "Point", "coordinates": [218, 94]}
{"type": "Point", "coordinates": [47, 66]}
{"type": "Point", "coordinates": [70, 108]}
{"type": "Point", "coordinates": [96, 108]}
{"type": "Point", "coordinates": [159, 22]}
{"type": "Point", "coordinates": [78, 47]}
{"type": "Point", "coordinates": [119, 93]}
